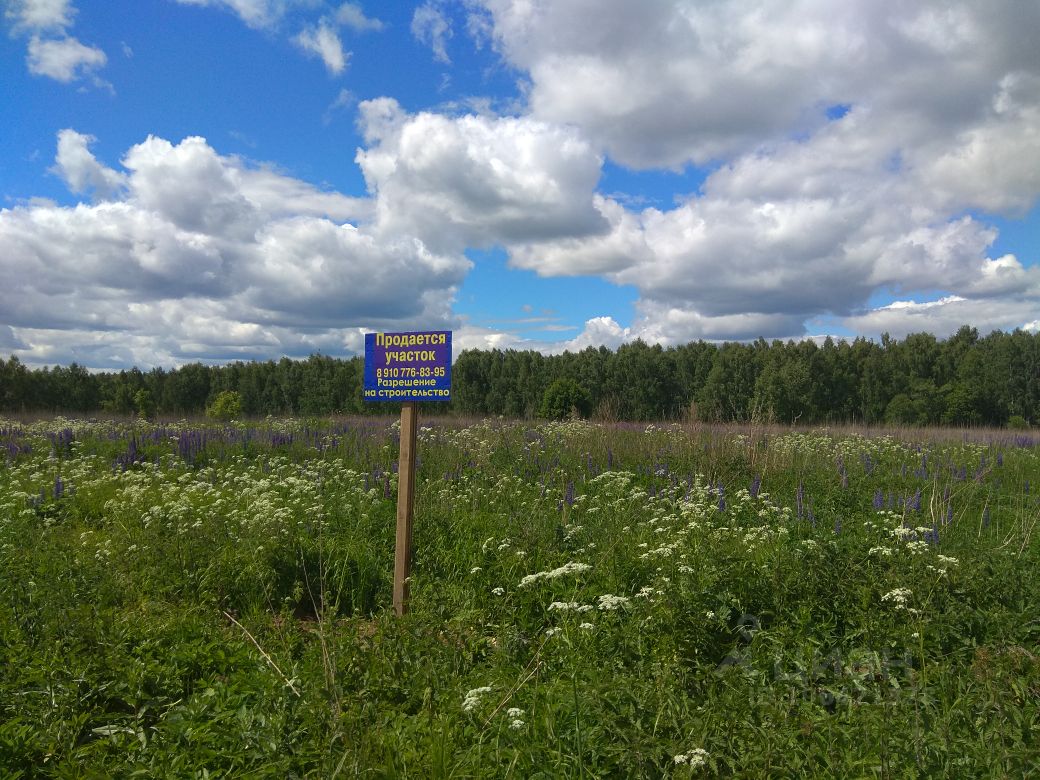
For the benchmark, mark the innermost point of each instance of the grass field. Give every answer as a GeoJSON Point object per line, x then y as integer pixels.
{"type": "Point", "coordinates": [183, 600]}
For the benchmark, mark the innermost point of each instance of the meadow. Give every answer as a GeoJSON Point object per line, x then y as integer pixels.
{"type": "Point", "coordinates": [193, 600]}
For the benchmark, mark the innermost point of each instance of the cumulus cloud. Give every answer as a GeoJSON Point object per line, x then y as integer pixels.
{"type": "Point", "coordinates": [666, 82]}
{"type": "Point", "coordinates": [474, 180]}
{"type": "Point", "coordinates": [806, 210]}
{"type": "Point", "coordinates": [944, 316]}
{"type": "Point", "coordinates": [323, 41]}
{"type": "Point", "coordinates": [772, 240]}
{"type": "Point", "coordinates": [188, 253]}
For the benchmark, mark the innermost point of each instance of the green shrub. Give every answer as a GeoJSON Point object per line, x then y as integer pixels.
{"type": "Point", "coordinates": [226, 406]}
{"type": "Point", "coordinates": [564, 398]}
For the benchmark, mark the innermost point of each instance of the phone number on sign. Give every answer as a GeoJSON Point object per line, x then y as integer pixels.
{"type": "Point", "coordinates": [409, 372]}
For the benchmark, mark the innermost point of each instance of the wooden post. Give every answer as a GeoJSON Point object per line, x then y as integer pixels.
{"type": "Point", "coordinates": [405, 507]}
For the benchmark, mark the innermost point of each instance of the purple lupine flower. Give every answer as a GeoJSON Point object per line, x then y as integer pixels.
{"type": "Point", "coordinates": [799, 500]}
{"type": "Point", "coordinates": [722, 497]}
{"type": "Point", "coordinates": [949, 514]}
{"type": "Point", "coordinates": [985, 517]}
{"type": "Point", "coordinates": [610, 459]}
{"type": "Point", "coordinates": [386, 487]}
{"type": "Point", "coordinates": [1025, 487]}
{"type": "Point", "coordinates": [837, 526]}
{"type": "Point", "coordinates": [59, 487]}
{"type": "Point", "coordinates": [868, 464]}
{"type": "Point", "coordinates": [879, 499]}
{"type": "Point", "coordinates": [915, 501]}
{"type": "Point", "coordinates": [569, 495]}
{"type": "Point", "coordinates": [756, 486]}
{"type": "Point", "coordinates": [811, 515]}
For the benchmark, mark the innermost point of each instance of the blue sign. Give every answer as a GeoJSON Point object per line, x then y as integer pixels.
{"type": "Point", "coordinates": [408, 366]}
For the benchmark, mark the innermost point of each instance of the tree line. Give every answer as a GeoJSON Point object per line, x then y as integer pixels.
{"type": "Point", "coordinates": [920, 380]}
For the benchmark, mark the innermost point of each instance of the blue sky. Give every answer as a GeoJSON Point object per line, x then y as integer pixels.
{"type": "Point", "coordinates": [215, 180]}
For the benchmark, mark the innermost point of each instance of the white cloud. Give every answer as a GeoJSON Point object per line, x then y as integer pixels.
{"type": "Point", "coordinates": [324, 41]}
{"type": "Point", "coordinates": [995, 164]}
{"type": "Point", "coordinates": [476, 181]}
{"type": "Point", "coordinates": [353, 16]}
{"type": "Point", "coordinates": [255, 13]}
{"type": "Point", "coordinates": [805, 214]}
{"type": "Point", "coordinates": [944, 316]}
{"type": "Point", "coordinates": [432, 27]}
{"type": "Point", "coordinates": [59, 55]}
{"type": "Point", "coordinates": [80, 169]}
{"type": "Point", "coordinates": [63, 59]}
{"type": "Point", "coordinates": [196, 254]}
{"type": "Point", "coordinates": [598, 332]}
{"type": "Point", "coordinates": [665, 82]}
{"type": "Point", "coordinates": [41, 15]}
{"type": "Point", "coordinates": [343, 100]}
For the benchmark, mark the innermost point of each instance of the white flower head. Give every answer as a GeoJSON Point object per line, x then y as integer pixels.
{"type": "Point", "coordinates": [472, 700]}
{"type": "Point", "coordinates": [899, 597]}
{"type": "Point", "coordinates": [695, 758]}
{"type": "Point", "coordinates": [608, 602]}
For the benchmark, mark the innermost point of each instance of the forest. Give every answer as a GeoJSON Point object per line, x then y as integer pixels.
{"type": "Point", "coordinates": [966, 379]}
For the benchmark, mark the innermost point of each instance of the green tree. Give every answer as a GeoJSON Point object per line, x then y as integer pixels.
{"type": "Point", "coordinates": [144, 403]}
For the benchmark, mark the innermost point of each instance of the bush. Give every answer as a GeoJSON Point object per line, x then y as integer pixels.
{"type": "Point", "coordinates": [1017, 422]}
{"type": "Point", "coordinates": [226, 406]}
{"type": "Point", "coordinates": [564, 398]}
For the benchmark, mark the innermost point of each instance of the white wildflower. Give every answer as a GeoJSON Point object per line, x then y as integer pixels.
{"type": "Point", "coordinates": [516, 718]}
{"type": "Point", "coordinates": [472, 699]}
{"type": "Point", "coordinates": [563, 606]}
{"type": "Point", "coordinates": [567, 568]}
{"type": "Point", "coordinates": [899, 597]}
{"type": "Point", "coordinates": [498, 591]}
{"type": "Point", "coordinates": [475, 569]}
{"type": "Point", "coordinates": [696, 758]}
{"type": "Point", "coordinates": [608, 602]}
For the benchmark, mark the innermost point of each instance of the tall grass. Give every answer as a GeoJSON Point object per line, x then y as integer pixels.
{"type": "Point", "coordinates": [587, 600]}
